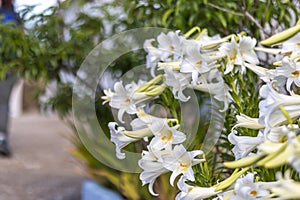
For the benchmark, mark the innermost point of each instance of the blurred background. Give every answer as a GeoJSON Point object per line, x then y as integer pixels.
{"type": "Point", "coordinates": [48, 159]}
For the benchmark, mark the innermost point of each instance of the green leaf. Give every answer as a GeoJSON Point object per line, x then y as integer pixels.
{"type": "Point", "coordinates": [166, 16]}
{"type": "Point", "coordinates": [222, 19]}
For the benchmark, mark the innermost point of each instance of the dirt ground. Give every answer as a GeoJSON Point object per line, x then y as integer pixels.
{"type": "Point", "coordinates": [40, 168]}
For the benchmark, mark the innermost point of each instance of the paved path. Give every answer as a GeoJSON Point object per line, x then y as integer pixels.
{"type": "Point", "coordinates": [40, 168]}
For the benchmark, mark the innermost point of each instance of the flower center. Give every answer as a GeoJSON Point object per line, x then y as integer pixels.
{"type": "Point", "coordinates": [199, 62]}
{"type": "Point", "coordinates": [295, 73]}
{"type": "Point", "coordinates": [183, 167]}
{"type": "Point", "coordinates": [167, 137]}
{"type": "Point", "coordinates": [232, 58]}
{"type": "Point", "coordinates": [253, 193]}
{"type": "Point", "coordinates": [126, 102]}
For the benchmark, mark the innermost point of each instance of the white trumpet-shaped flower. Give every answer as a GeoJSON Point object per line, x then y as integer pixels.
{"type": "Point", "coordinates": [238, 53]}
{"type": "Point", "coordinates": [291, 71]}
{"type": "Point", "coordinates": [178, 82]}
{"type": "Point", "coordinates": [195, 62]}
{"type": "Point", "coordinates": [244, 144]}
{"type": "Point", "coordinates": [152, 165]}
{"type": "Point", "coordinates": [214, 84]}
{"type": "Point", "coordinates": [171, 46]}
{"type": "Point", "coordinates": [108, 95]}
{"type": "Point", "coordinates": [246, 189]}
{"type": "Point", "coordinates": [143, 120]}
{"type": "Point", "coordinates": [180, 162]}
{"type": "Point", "coordinates": [284, 188]}
{"type": "Point", "coordinates": [125, 99]}
{"type": "Point", "coordinates": [270, 114]}
{"type": "Point", "coordinates": [118, 137]}
{"type": "Point", "coordinates": [164, 135]}
{"type": "Point", "coordinates": [147, 118]}
{"type": "Point", "coordinates": [246, 46]}
{"type": "Point", "coordinates": [275, 134]}
{"type": "Point", "coordinates": [292, 44]}
{"type": "Point", "coordinates": [169, 49]}
{"type": "Point", "coordinates": [153, 55]}
{"type": "Point", "coordinates": [122, 137]}
{"type": "Point", "coordinates": [189, 192]}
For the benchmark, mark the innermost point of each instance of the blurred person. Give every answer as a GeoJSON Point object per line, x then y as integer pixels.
{"type": "Point", "coordinates": [6, 84]}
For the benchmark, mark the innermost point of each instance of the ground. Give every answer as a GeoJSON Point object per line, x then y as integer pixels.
{"type": "Point", "coordinates": [41, 168]}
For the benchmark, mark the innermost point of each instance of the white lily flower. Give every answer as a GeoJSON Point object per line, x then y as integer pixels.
{"type": "Point", "coordinates": [108, 94]}
{"type": "Point", "coordinates": [143, 120]}
{"type": "Point", "coordinates": [222, 94]}
{"type": "Point", "coordinates": [119, 138]}
{"type": "Point", "coordinates": [287, 188]}
{"type": "Point", "coordinates": [284, 188]}
{"type": "Point", "coordinates": [292, 45]}
{"type": "Point", "coordinates": [146, 120]}
{"type": "Point", "coordinates": [247, 122]}
{"type": "Point", "coordinates": [165, 136]}
{"type": "Point", "coordinates": [171, 46]}
{"type": "Point", "coordinates": [125, 98]}
{"type": "Point", "coordinates": [269, 113]}
{"type": "Point", "coordinates": [246, 189]}
{"type": "Point", "coordinates": [244, 144]}
{"type": "Point", "coordinates": [122, 137]}
{"type": "Point", "coordinates": [246, 45]}
{"type": "Point", "coordinates": [275, 133]}
{"type": "Point", "coordinates": [290, 70]}
{"type": "Point", "coordinates": [121, 100]}
{"type": "Point", "coordinates": [152, 165]}
{"type": "Point", "coordinates": [195, 62]}
{"type": "Point", "coordinates": [178, 82]}
{"type": "Point", "coordinates": [276, 117]}
{"type": "Point", "coordinates": [169, 49]}
{"type": "Point", "coordinates": [189, 192]}
{"type": "Point", "coordinates": [213, 83]}
{"type": "Point", "coordinates": [138, 124]}
{"type": "Point", "coordinates": [153, 55]}
{"type": "Point", "coordinates": [230, 49]}
{"type": "Point", "coordinates": [238, 53]}
{"type": "Point", "coordinates": [181, 162]}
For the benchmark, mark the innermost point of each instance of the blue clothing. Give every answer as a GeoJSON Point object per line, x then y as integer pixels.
{"type": "Point", "coordinates": [9, 16]}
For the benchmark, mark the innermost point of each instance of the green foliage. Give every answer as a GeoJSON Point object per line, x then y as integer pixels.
{"type": "Point", "coordinates": [218, 16]}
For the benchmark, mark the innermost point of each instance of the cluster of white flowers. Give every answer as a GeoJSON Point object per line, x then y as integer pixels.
{"type": "Point", "coordinates": [201, 63]}
{"type": "Point", "coordinates": [165, 151]}
{"type": "Point", "coordinates": [197, 63]}
{"type": "Point", "coordinates": [278, 109]}
{"type": "Point", "coordinates": [277, 142]}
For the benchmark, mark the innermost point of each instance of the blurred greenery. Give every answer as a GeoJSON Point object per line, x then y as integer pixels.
{"type": "Point", "coordinates": [52, 45]}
